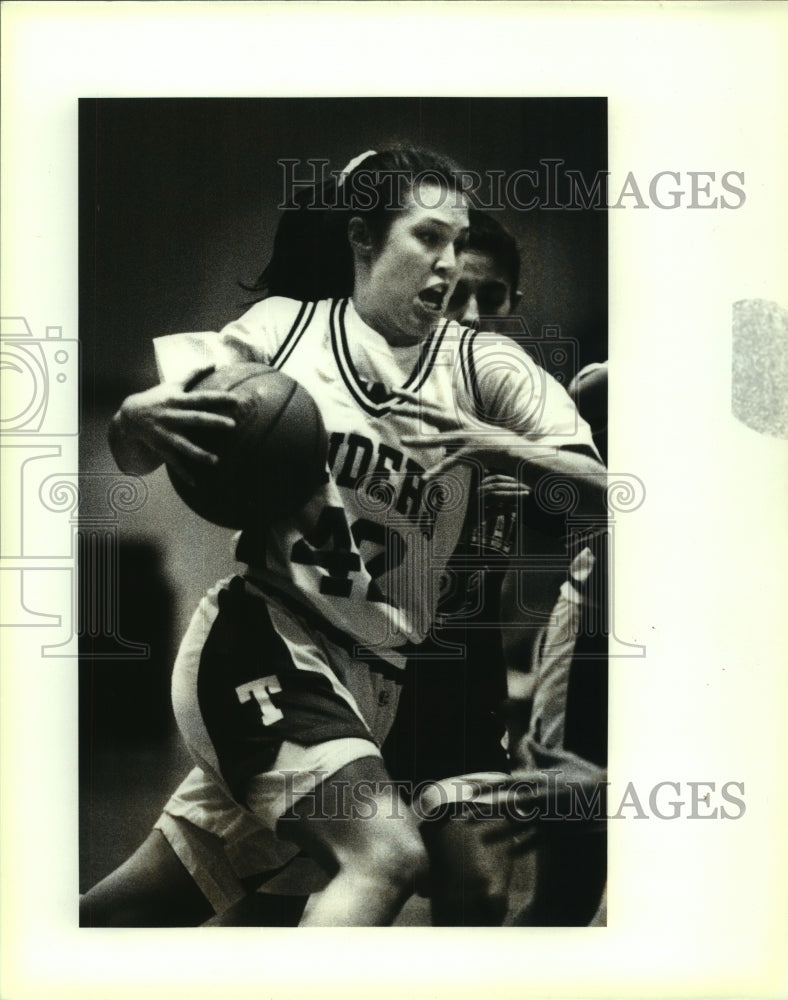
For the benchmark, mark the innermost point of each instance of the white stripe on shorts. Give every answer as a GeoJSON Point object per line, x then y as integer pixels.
{"type": "Point", "coordinates": [297, 772]}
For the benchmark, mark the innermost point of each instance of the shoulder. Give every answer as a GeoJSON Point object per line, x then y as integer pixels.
{"type": "Point", "coordinates": [489, 343]}
{"type": "Point", "coordinates": [493, 358]}
{"type": "Point", "coordinates": [511, 387]}
{"type": "Point", "coordinates": [272, 322]}
{"type": "Point", "coordinates": [271, 312]}
{"type": "Point", "coordinates": [474, 348]}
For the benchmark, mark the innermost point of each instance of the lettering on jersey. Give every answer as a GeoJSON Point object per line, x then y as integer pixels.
{"type": "Point", "coordinates": [261, 691]}
{"type": "Point", "coordinates": [398, 514]}
{"type": "Point", "coordinates": [388, 455]}
{"type": "Point", "coordinates": [411, 492]}
{"type": "Point", "coordinates": [328, 545]}
{"type": "Point", "coordinates": [358, 455]}
{"type": "Point", "coordinates": [356, 462]}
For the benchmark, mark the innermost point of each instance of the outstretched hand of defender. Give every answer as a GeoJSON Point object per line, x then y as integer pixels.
{"type": "Point", "coordinates": [160, 424]}
{"type": "Point", "coordinates": [497, 488]}
{"type": "Point", "coordinates": [559, 793]}
{"type": "Point", "coordinates": [467, 439]}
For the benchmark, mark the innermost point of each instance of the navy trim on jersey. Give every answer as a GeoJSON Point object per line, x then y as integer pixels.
{"type": "Point", "coordinates": [468, 367]}
{"type": "Point", "coordinates": [340, 306]}
{"type": "Point", "coordinates": [356, 386]}
{"type": "Point", "coordinates": [336, 635]}
{"type": "Point", "coordinates": [426, 362]}
{"type": "Point", "coordinates": [294, 334]}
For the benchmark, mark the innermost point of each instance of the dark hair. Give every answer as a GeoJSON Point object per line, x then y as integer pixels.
{"type": "Point", "coordinates": [487, 235]}
{"type": "Point", "coordinates": [312, 258]}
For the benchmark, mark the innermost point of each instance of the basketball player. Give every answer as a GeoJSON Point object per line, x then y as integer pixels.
{"type": "Point", "coordinates": [329, 620]}
{"type": "Point", "coordinates": [446, 726]}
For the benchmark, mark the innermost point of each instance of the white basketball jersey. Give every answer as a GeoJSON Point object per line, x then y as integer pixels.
{"type": "Point", "coordinates": [367, 552]}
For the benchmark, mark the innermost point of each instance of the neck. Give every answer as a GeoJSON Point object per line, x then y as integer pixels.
{"type": "Point", "coordinates": [393, 336]}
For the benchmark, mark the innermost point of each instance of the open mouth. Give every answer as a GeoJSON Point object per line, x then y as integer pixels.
{"type": "Point", "coordinates": [432, 298]}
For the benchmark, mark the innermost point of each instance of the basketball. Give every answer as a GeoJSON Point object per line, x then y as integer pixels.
{"type": "Point", "coordinates": [271, 462]}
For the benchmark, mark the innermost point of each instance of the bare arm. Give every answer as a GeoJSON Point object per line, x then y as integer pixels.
{"type": "Point", "coordinates": [158, 425]}
{"type": "Point", "coordinates": [508, 453]}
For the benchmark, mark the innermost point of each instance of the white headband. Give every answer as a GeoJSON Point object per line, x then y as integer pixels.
{"type": "Point", "coordinates": [353, 164]}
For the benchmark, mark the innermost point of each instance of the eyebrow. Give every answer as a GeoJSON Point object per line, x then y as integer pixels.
{"type": "Point", "coordinates": [433, 220]}
{"type": "Point", "coordinates": [487, 283]}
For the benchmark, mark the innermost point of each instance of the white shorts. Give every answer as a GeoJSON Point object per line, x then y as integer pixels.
{"type": "Point", "coordinates": [220, 844]}
{"type": "Point", "coordinates": [269, 705]}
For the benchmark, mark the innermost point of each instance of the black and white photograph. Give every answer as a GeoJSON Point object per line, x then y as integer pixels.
{"type": "Point", "coordinates": [392, 430]}
{"type": "Point", "coordinates": [418, 553]}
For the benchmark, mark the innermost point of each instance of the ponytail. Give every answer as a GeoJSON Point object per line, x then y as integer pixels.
{"type": "Point", "coordinates": [312, 258]}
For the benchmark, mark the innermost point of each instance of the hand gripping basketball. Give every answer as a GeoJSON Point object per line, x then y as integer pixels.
{"type": "Point", "coordinates": [270, 463]}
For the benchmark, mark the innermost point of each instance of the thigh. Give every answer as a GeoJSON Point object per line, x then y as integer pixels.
{"type": "Point", "coordinates": [150, 889]}
{"type": "Point", "coordinates": [357, 827]}
{"type": "Point", "coordinates": [355, 815]}
{"type": "Point", "coordinates": [302, 778]}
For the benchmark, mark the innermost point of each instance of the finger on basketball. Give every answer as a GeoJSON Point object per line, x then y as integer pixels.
{"type": "Point", "coordinates": [177, 461]}
{"type": "Point", "coordinates": [195, 377]}
{"type": "Point", "coordinates": [209, 400]}
{"type": "Point", "coordinates": [197, 418]}
{"type": "Point", "coordinates": [177, 448]}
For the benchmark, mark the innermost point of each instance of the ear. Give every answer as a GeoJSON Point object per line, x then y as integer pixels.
{"type": "Point", "coordinates": [359, 237]}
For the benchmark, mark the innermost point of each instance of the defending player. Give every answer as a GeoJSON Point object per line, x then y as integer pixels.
{"type": "Point", "coordinates": [567, 733]}
{"type": "Point", "coordinates": [319, 594]}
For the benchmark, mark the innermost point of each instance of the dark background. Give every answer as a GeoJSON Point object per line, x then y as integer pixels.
{"type": "Point", "coordinates": [177, 207]}
{"type": "Point", "coordinates": [178, 204]}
